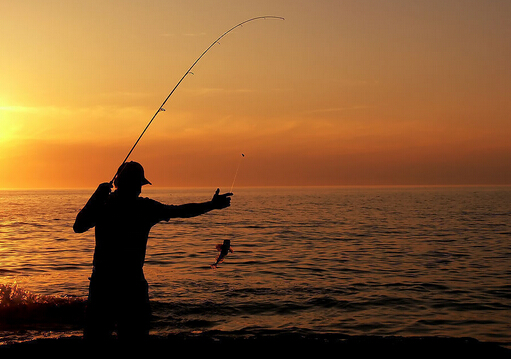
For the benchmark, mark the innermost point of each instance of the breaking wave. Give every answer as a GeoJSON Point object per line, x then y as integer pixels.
{"type": "Point", "coordinates": [20, 308]}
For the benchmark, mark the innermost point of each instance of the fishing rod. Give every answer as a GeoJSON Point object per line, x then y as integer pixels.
{"type": "Point", "coordinates": [160, 109]}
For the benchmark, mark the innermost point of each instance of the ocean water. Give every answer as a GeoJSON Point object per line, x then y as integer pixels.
{"type": "Point", "coordinates": [429, 261]}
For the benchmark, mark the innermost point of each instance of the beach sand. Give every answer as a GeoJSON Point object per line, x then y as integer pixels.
{"type": "Point", "coordinates": [218, 344]}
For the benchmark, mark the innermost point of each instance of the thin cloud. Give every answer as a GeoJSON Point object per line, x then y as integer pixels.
{"type": "Point", "coordinates": [191, 34]}
{"type": "Point", "coordinates": [337, 109]}
{"type": "Point", "coordinates": [218, 90]}
{"type": "Point", "coordinates": [188, 34]}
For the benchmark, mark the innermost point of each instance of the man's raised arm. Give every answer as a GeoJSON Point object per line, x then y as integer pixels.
{"type": "Point", "coordinates": [86, 218]}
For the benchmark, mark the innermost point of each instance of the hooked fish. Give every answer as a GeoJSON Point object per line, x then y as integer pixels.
{"type": "Point", "coordinates": [224, 249]}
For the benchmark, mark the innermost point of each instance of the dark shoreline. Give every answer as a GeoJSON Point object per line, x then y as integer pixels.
{"type": "Point", "coordinates": [296, 344]}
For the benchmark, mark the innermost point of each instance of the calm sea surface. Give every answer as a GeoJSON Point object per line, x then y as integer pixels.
{"type": "Point", "coordinates": [356, 261]}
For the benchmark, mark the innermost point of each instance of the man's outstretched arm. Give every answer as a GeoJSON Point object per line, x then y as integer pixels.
{"type": "Point", "coordinates": [219, 201]}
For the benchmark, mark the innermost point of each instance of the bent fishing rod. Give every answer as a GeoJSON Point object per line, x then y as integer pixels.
{"type": "Point", "coordinates": [182, 78]}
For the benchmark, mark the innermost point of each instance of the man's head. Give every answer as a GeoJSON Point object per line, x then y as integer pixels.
{"type": "Point", "coordinates": [130, 177]}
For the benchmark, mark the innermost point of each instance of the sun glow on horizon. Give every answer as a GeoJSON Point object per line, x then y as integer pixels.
{"type": "Point", "coordinates": [337, 94]}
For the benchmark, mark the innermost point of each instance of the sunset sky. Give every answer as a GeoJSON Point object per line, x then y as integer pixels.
{"type": "Point", "coordinates": [341, 92]}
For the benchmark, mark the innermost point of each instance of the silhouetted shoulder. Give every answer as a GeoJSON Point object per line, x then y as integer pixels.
{"type": "Point", "coordinates": [155, 210]}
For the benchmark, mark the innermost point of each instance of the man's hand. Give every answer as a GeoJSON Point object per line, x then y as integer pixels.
{"type": "Point", "coordinates": [220, 201]}
{"type": "Point", "coordinates": [103, 191]}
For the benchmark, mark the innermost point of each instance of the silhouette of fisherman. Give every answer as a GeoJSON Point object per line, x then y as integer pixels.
{"type": "Point", "coordinates": [118, 292]}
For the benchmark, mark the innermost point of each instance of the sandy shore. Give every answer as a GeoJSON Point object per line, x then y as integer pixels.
{"type": "Point", "coordinates": [218, 344]}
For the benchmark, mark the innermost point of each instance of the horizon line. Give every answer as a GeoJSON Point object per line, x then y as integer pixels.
{"type": "Point", "coordinates": [269, 187]}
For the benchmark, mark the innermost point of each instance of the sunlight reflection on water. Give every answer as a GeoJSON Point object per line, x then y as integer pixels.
{"type": "Point", "coordinates": [395, 261]}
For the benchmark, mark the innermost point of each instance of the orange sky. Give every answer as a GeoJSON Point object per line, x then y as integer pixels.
{"type": "Point", "coordinates": [340, 93]}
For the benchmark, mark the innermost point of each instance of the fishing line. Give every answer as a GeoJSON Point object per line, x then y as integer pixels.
{"type": "Point", "coordinates": [160, 109]}
{"type": "Point", "coordinates": [225, 247]}
{"type": "Point", "coordinates": [235, 174]}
